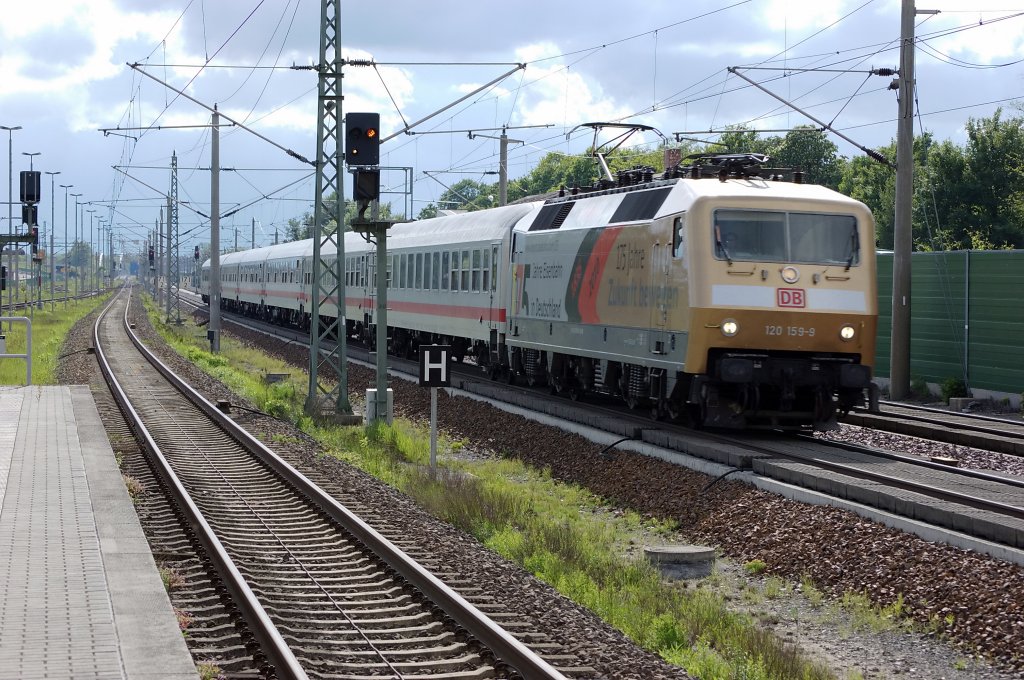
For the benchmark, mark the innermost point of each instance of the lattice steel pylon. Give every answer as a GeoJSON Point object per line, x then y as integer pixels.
{"type": "Point", "coordinates": [328, 394]}
{"type": "Point", "coordinates": [173, 264]}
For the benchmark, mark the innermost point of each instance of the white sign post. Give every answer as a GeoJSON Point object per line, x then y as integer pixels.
{"type": "Point", "coordinates": [433, 374]}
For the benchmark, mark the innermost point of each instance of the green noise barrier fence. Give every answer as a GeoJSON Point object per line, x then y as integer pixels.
{"type": "Point", "coordinates": [966, 318]}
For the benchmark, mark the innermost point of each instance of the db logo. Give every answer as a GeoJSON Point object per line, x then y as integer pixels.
{"type": "Point", "coordinates": [790, 297]}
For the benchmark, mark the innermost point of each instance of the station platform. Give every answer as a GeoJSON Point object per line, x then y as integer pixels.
{"type": "Point", "coordinates": [80, 594]}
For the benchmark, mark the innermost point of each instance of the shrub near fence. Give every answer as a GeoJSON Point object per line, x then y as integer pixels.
{"type": "Point", "coordinates": [983, 287]}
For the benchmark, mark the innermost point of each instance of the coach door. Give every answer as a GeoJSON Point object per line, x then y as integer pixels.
{"type": "Point", "coordinates": [490, 283]}
{"type": "Point", "coordinates": [660, 256]}
{"type": "Point", "coordinates": [369, 285]}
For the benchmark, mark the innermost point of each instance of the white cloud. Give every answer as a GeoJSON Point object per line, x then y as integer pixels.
{"type": "Point", "coordinates": [799, 15]}
{"type": "Point", "coordinates": [555, 93]}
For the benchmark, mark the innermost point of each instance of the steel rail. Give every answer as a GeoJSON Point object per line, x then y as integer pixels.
{"type": "Point", "coordinates": [284, 663]}
{"type": "Point", "coordinates": [907, 485]}
{"type": "Point", "coordinates": [963, 426]}
{"type": "Point", "coordinates": [506, 649]}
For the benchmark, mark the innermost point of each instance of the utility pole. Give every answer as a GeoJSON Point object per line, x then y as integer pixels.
{"type": "Point", "coordinates": [17, 289]}
{"type": "Point", "coordinates": [253, 239]}
{"type": "Point", "coordinates": [10, 211]}
{"type": "Point", "coordinates": [91, 227]}
{"type": "Point", "coordinates": [75, 243]}
{"type": "Point", "coordinates": [328, 281]}
{"type": "Point", "coordinates": [167, 265]}
{"type": "Point", "coordinates": [160, 259]}
{"type": "Point", "coordinates": [94, 279]}
{"type": "Point", "coordinates": [214, 330]}
{"type": "Point", "coordinates": [503, 142]}
{"type": "Point", "coordinates": [903, 236]}
{"type": "Point", "coordinates": [52, 175]}
{"type": "Point", "coordinates": [174, 243]}
{"type": "Point", "coordinates": [65, 187]}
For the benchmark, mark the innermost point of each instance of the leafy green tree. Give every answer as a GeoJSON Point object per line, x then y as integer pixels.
{"type": "Point", "coordinates": [302, 227]}
{"type": "Point", "coordinates": [79, 254]}
{"type": "Point", "coordinates": [554, 171]}
{"type": "Point", "coordinates": [740, 140]}
{"type": "Point", "coordinates": [468, 194]}
{"type": "Point", "coordinates": [874, 184]}
{"type": "Point", "coordinates": [995, 175]}
{"type": "Point", "coordinates": [813, 152]}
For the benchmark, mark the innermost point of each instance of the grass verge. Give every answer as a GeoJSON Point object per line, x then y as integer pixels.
{"type": "Point", "coordinates": [49, 328]}
{"type": "Point", "coordinates": [561, 533]}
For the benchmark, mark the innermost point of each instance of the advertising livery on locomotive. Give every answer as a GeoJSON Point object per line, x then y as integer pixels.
{"type": "Point", "coordinates": [719, 293]}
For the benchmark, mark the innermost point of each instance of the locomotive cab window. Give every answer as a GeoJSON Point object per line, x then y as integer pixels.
{"type": "Point", "coordinates": [679, 236]}
{"type": "Point", "coordinates": [778, 236]}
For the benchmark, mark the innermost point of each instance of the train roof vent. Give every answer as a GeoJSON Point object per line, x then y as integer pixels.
{"type": "Point", "coordinates": [641, 205]}
{"type": "Point", "coordinates": [552, 216]}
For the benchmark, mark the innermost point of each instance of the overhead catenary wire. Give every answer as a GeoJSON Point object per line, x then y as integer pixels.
{"type": "Point", "coordinates": [537, 142]}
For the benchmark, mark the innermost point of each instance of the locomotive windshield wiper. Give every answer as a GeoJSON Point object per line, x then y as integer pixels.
{"type": "Point", "coordinates": [854, 247]}
{"type": "Point", "coordinates": [721, 244]}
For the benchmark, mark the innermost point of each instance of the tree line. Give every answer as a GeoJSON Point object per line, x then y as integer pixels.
{"type": "Point", "coordinates": [965, 197]}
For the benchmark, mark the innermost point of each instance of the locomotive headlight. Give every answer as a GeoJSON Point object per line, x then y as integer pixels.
{"type": "Point", "coordinates": [790, 274]}
{"type": "Point", "coordinates": [730, 328]}
{"type": "Point", "coordinates": [847, 332]}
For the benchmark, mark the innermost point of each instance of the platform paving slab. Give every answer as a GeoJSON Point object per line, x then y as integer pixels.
{"type": "Point", "coordinates": [80, 594]}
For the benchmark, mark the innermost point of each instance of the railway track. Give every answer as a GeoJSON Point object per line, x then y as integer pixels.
{"type": "Point", "coordinates": [1003, 435]}
{"type": "Point", "coordinates": [322, 594]}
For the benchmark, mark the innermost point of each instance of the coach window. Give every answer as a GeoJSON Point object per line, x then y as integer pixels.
{"type": "Point", "coordinates": [464, 270]}
{"type": "Point", "coordinates": [445, 263]}
{"type": "Point", "coordinates": [476, 271]}
{"type": "Point", "coordinates": [427, 270]}
{"type": "Point", "coordinates": [455, 270]}
{"type": "Point", "coordinates": [419, 271]}
{"type": "Point", "coordinates": [401, 271]}
{"type": "Point", "coordinates": [435, 278]}
{"type": "Point", "coordinates": [487, 270]}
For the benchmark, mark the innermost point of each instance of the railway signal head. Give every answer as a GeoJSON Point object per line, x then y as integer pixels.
{"type": "Point", "coordinates": [196, 253]}
{"type": "Point", "coordinates": [29, 214]}
{"type": "Point", "coordinates": [362, 138]}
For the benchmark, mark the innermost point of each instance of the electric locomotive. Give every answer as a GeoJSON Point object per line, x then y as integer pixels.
{"type": "Point", "coordinates": [719, 293]}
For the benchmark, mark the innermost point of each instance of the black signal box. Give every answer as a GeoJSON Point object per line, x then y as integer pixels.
{"type": "Point", "coordinates": [29, 214]}
{"type": "Point", "coordinates": [362, 138]}
{"type": "Point", "coordinates": [366, 185]}
{"type": "Point", "coordinates": [29, 186]}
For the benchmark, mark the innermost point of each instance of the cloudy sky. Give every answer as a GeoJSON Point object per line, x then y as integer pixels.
{"type": "Point", "coordinates": [64, 76]}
